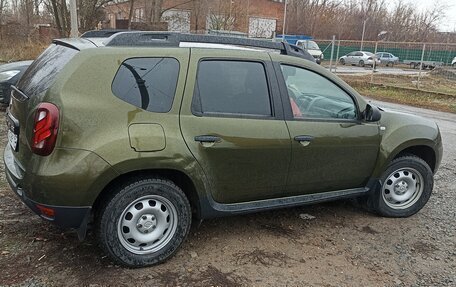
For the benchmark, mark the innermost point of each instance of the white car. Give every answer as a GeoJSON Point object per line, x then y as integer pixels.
{"type": "Point", "coordinates": [360, 58]}
{"type": "Point", "coordinates": [453, 63]}
{"type": "Point", "coordinates": [312, 48]}
{"type": "Point", "coordinates": [387, 58]}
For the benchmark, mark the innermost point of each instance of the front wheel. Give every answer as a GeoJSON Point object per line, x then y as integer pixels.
{"type": "Point", "coordinates": [406, 187]}
{"type": "Point", "coordinates": [361, 63]}
{"type": "Point", "coordinates": [145, 222]}
{"type": "Point", "coordinates": [342, 61]}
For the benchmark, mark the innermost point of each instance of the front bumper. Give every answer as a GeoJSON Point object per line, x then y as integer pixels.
{"type": "Point", "coordinates": [63, 216]}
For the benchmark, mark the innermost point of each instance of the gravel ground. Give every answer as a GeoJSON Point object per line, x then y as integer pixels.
{"type": "Point", "coordinates": [331, 244]}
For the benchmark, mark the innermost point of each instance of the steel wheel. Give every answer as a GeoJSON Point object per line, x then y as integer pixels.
{"type": "Point", "coordinates": [402, 188]}
{"type": "Point", "coordinates": [147, 224]}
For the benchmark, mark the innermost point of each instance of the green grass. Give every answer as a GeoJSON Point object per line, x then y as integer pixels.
{"type": "Point", "coordinates": [429, 100]}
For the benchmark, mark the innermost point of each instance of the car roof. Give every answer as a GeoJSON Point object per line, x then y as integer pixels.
{"type": "Point", "coordinates": [154, 39]}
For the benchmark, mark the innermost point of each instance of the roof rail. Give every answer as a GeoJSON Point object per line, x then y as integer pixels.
{"type": "Point", "coordinates": [173, 39]}
{"type": "Point", "coordinates": [102, 33]}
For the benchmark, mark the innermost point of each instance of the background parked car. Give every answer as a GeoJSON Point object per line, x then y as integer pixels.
{"type": "Point", "coordinates": [360, 58]}
{"type": "Point", "coordinates": [312, 48]}
{"type": "Point", "coordinates": [9, 75]}
{"type": "Point", "coordinates": [453, 63]}
{"type": "Point", "coordinates": [387, 58]}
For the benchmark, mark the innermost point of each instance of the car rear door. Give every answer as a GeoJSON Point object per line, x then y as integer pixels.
{"type": "Point", "coordinates": [232, 122]}
{"type": "Point", "coordinates": [332, 149]}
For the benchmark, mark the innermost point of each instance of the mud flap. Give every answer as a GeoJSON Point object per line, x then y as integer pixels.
{"type": "Point", "coordinates": [82, 230]}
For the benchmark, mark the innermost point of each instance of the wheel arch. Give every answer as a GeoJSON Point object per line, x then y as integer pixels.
{"type": "Point", "coordinates": [423, 149]}
{"type": "Point", "coordinates": [424, 152]}
{"type": "Point", "coordinates": [180, 178]}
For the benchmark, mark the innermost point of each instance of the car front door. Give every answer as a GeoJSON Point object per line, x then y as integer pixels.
{"type": "Point", "coordinates": [332, 148]}
{"type": "Point", "coordinates": [351, 58]}
{"type": "Point", "coordinates": [232, 122]}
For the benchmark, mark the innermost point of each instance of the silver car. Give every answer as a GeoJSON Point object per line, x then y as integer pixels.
{"type": "Point", "coordinates": [387, 58]}
{"type": "Point", "coordinates": [360, 58]}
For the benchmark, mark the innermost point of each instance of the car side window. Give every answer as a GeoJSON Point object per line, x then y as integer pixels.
{"type": "Point", "coordinates": [225, 87]}
{"type": "Point", "coordinates": [351, 54]}
{"type": "Point", "coordinates": [359, 54]}
{"type": "Point", "coordinates": [314, 96]}
{"type": "Point", "coordinates": [147, 83]}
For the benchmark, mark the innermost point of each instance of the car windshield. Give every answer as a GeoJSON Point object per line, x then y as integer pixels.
{"type": "Point", "coordinates": [311, 45]}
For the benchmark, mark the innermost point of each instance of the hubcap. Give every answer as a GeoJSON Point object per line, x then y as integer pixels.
{"type": "Point", "coordinates": [402, 188]}
{"type": "Point", "coordinates": [147, 224]}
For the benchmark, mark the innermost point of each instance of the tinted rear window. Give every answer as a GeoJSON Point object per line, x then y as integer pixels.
{"type": "Point", "coordinates": [231, 87]}
{"type": "Point", "coordinates": [147, 83]}
{"type": "Point", "coordinates": [41, 74]}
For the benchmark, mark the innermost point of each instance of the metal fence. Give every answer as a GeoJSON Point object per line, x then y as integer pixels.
{"type": "Point", "coordinates": [424, 66]}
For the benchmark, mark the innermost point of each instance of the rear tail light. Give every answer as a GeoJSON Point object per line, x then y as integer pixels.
{"type": "Point", "coordinates": [45, 129]}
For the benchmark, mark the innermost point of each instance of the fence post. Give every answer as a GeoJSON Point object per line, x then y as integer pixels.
{"type": "Point", "coordinates": [374, 65]}
{"type": "Point", "coordinates": [421, 66]}
{"type": "Point", "coordinates": [337, 56]}
{"type": "Point", "coordinates": [73, 19]}
{"type": "Point", "coordinates": [332, 52]}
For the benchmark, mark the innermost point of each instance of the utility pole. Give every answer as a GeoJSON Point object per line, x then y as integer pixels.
{"type": "Point", "coordinates": [74, 33]}
{"type": "Point", "coordinates": [284, 20]}
{"type": "Point", "coordinates": [362, 36]}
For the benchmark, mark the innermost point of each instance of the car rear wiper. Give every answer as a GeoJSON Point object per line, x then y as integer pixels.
{"type": "Point", "coordinates": [141, 86]}
{"type": "Point", "coordinates": [23, 97]}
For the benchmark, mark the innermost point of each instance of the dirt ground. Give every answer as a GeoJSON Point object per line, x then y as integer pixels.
{"type": "Point", "coordinates": [342, 245]}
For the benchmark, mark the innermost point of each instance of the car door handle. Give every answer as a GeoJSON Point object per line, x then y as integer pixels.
{"type": "Point", "coordinates": [207, 140]}
{"type": "Point", "coordinates": [304, 140]}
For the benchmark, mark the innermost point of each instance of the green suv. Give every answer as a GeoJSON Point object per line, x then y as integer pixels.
{"type": "Point", "coordinates": [149, 130]}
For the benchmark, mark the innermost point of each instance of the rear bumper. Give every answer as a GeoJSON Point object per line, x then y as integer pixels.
{"type": "Point", "coordinates": [63, 216]}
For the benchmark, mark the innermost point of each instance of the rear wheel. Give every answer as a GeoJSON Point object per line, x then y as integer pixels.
{"type": "Point", "coordinates": [342, 61]}
{"type": "Point", "coordinates": [145, 222]}
{"type": "Point", "coordinates": [361, 63]}
{"type": "Point", "coordinates": [406, 187]}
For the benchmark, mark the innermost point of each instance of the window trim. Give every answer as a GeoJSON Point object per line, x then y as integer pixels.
{"type": "Point", "coordinates": [155, 57]}
{"type": "Point", "coordinates": [286, 99]}
{"type": "Point", "coordinates": [269, 78]}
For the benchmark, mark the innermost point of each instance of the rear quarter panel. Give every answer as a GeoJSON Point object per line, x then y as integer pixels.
{"type": "Point", "coordinates": [94, 119]}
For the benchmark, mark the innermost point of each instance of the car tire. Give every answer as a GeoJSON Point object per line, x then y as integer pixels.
{"type": "Point", "coordinates": [390, 64]}
{"type": "Point", "coordinates": [144, 222]}
{"type": "Point", "coordinates": [342, 61]}
{"type": "Point", "coordinates": [405, 187]}
{"type": "Point", "coordinates": [361, 63]}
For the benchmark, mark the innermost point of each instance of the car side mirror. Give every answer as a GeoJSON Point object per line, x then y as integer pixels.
{"type": "Point", "coordinates": [372, 114]}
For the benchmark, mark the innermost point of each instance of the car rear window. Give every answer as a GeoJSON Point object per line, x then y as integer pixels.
{"type": "Point", "coordinates": [42, 72]}
{"type": "Point", "coordinates": [231, 88]}
{"type": "Point", "coordinates": [147, 83]}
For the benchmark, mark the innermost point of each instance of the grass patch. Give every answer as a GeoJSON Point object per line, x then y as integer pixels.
{"type": "Point", "coordinates": [422, 99]}
{"type": "Point", "coordinates": [437, 81]}
{"type": "Point", "coordinates": [20, 50]}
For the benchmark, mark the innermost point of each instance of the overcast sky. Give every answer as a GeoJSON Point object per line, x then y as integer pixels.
{"type": "Point", "coordinates": [449, 23]}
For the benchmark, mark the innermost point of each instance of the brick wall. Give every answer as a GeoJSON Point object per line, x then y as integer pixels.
{"type": "Point", "coordinates": [240, 10]}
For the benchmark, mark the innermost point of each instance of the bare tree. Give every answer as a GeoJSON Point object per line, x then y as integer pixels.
{"type": "Point", "coordinates": [2, 9]}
